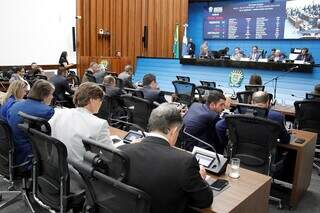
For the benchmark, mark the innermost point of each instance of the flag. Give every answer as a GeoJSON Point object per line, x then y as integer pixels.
{"type": "Point", "coordinates": [176, 42]}
{"type": "Point", "coordinates": [185, 42]}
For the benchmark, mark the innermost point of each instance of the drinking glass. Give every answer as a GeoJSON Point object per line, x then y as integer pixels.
{"type": "Point", "coordinates": [234, 168]}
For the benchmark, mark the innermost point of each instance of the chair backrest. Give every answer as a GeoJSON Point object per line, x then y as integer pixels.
{"type": "Point", "coordinates": [90, 77]}
{"type": "Point", "coordinates": [208, 83]}
{"type": "Point", "coordinates": [184, 92]}
{"type": "Point", "coordinates": [311, 96]}
{"type": "Point", "coordinates": [6, 149]}
{"type": "Point", "coordinates": [50, 168]}
{"type": "Point", "coordinates": [117, 163]}
{"type": "Point", "coordinates": [308, 115]}
{"type": "Point", "coordinates": [105, 194]}
{"type": "Point", "coordinates": [73, 78]}
{"type": "Point", "coordinates": [138, 110]}
{"type": "Point", "coordinates": [253, 140]}
{"type": "Point", "coordinates": [119, 83]}
{"type": "Point", "coordinates": [37, 123]}
{"type": "Point", "coordinates": [39, 76]}
{"type": "Point", "coordinates": [111, 107]}
{"type": "Point", "coordinates": [203, 92]}
{"type": "Point", "coordinates": [248, 109]}
{"type": "Point", "coordinates": [134, 92]}
{"type": "Point", "coordinates": [183, 78]}
{"type": "Point", "coordinates": [245, 97]}
{"type": "Point", "coordinates": [254, 88]}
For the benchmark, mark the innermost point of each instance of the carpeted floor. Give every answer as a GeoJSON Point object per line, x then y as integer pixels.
{"type": "Point", "coordinates": [310, 202]}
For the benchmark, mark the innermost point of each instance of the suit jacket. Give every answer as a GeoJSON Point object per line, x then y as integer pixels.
{"type": "Point", "coordinates": [127, 79]}
{"type": "Point", "coordinates": [61, 85]}
{"type": "Point", "coordinates": [89, 77]}
{"type": "Point", "coordinates": [221, 128]}
{"type": "Point", "coordinates": [100, 76]}
{"type": "Point", "coordinates": [200, 122]}
{"type": "Point", "coordinates": [153, 95]}
{"type": "Point", "coordinates": [113, 91]}
{"type": "Point", "coordinates": [255, 57]}
{"type": "Point", "coordinates": [33, 107]}
{"type": "Point", "coordinates": [170, 176]}
{"type": "Point", "coordinates": [70, 126]}
{"type": "Point", "coordinates": [306, 58]}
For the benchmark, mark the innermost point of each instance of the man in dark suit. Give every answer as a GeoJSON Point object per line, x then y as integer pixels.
{"type": "Point", "coordinates": [61, 85]}
{"type": "Point", "coordinates": [150, 89]}
{"type": "Point", "coordinates": [191, 48]}
{"type": "Point", "coordinates": [255, 55]}
{"type": "Point", "coordinates": [200, 121]}
{"type": "Point", "coordinates": [305, 56]}
{"type": "Point", "coordinates": [260, 99]}
{"type": "Point", "coordinates": [109, 83]}
{"type": "Point", "coordinates": [170, 176]}
{"type": "Point", "coordinates": [126, 76]}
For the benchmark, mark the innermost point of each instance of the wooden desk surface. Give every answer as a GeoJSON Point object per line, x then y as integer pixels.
{"type": "Point", "coordinates": [249, 193]}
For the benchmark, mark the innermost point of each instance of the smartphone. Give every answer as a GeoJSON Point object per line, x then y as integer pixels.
{"type": "Point", "coordinates": [219, 184]}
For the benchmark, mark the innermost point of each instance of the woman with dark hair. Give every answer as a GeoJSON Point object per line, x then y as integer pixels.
{"type": "Point", "coordinates": [37, 104]}
{"type": "Point", "coordinates": [63, 61]}
{"type": "Point", "coordinates": [71, 126]}
{"type": "Point", "coordinates": [255, 80]}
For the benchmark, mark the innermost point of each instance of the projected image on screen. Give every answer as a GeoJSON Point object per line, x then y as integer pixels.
{"type": "Point", "coordinates": [303, 19]}
{"type": "Point", "coordinates": [262, 19]}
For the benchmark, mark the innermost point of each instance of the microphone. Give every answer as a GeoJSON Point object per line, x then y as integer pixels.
{"type": "Point", "coordinates": [233, 96]}
{"type": "Point", "coordinates": [201, 141]}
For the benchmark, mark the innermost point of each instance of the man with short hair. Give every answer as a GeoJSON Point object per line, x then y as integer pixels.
{"type": "Point", "coordinates": [126, 76]}
{"type": "Point", "coordinates": [100, 74]}
{"type": "Point", "coordinates": [200, 121]}
{"type": "Point", "coordinates": [150, 89]}
{"type": "Point", "coordinates": [255, 55]}
{"type": "Point", "coordinates": [171, 177]}
{"type": "Point", "coordinates": [260, 99]}
{"type": "Point", "coordinates": [89, 73]}
{"type": "Point", "coordinates": [61, 85]}
{"type": "Point", "coordinates": [109, 83]}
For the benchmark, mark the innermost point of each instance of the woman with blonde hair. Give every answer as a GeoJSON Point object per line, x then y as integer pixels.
{"type": "Point", "coordinates": [16, 91]}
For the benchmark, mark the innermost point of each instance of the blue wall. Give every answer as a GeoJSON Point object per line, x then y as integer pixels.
{"type": "Point", "coordinates": [293, 83]}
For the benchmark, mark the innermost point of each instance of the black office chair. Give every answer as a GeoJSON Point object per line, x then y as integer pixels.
{"type": "Point", "coordinates": [312, 96]}
{"type": "Point", "coordinates": [114, 74]}
{"type": "Point", "coordinates": [203, 92]}
{"type": "Point", "coordinates": [40, 76]}
{"type": "Point", "coordinates": [73, 79]}
{"type": "Point", "coordinates": [111, 107]}
{"type": "Point", "coordinates": [208, 83]}
{"type": "Point", "coordinates": [105, 194]}
{"type": "Point", "coordinates": [117, 163]}
{"type": "Point", "coordinates": [254, 88]}
{"type": "Point", "coordinates": [245, 97]}
{"type": "Point", "coordinates": [184, 92]}
{"type": "Point", "coordinates": [308, 118]}
{"type": "Point", "coordinates": [10, 171]}
{"type": "Point", "coordinates": [253, 140]}
{"type": "Point", "coordinates": [50, 173]}
{"type": "Point", "coordinates": [90, 77]}
{"type": "Point", "coordinates": [183, 78]}
{"type": "Point", "coordinates": [37, 123]}
{"type": "Point", "coordinates": [138, 110]}
{"type": "Point", "coordinates": [134, 92]}
{"type": "Point", "coordinates": [246, 109]}
{"type": "Point", "coordinates": [119, 83]}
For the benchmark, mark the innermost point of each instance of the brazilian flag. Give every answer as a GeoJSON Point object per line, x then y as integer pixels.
{"type": "Point", "coordinates": [176, 42]}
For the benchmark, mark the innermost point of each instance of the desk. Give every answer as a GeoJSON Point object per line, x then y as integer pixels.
{"type": "Point", "coordinates": [250, 193]}
{"type": "Point", "coordinates": [246, 64]}
{"type": "Point", "coordinates": [302, 169]}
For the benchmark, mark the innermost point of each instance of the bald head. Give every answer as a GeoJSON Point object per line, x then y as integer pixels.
{"type": "Point", "coordinates": [260, 98]}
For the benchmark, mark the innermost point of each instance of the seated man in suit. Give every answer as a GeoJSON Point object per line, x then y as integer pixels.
{"type": "Point", "coordinates": [61, 85]}
{"type": "Point", "coordinates": [100, 74]}
{"type": "Point", "coordinates": [171, 177]}
{"type": "Point", "coordinates": [150, 89]}
{"type": "Point", "coordinates": [110, 84]}
{"type": "Point", "coordinates": [126, 76]}
{"type": "Point", "coordinates": [305, 56]}
{"type": "Point", "coordinates": [89, 73]}
{"type": "Point", "coordinates": [200, 121]}
{"type": "Point", "coordinates": [260, 99]}
{"type": "Point", "coordinates": [255, 55]}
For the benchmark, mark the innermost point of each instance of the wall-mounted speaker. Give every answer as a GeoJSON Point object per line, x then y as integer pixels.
{"type": "Point", "coordinates": [145, 37]}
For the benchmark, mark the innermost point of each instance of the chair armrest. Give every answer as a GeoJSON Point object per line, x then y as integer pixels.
{"type": "Point", "coordinates": [30, 157]}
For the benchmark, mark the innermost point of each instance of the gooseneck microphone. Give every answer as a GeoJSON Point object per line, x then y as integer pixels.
{"type": "Point", "coordinates": [201, 141]}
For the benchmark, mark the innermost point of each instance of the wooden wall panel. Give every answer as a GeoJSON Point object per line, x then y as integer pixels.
{"type": "Point", "coordinates": [125, 20]}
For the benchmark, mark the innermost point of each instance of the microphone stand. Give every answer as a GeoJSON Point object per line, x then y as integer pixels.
{"type": "Point", "coordinates": [275, 80]}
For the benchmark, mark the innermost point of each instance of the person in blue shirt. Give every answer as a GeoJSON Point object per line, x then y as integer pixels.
{"type": "Point", "coordinates": [39, 98]}
{"type": "Point", "coordinates": [16, 91]}
{"type": "Point", "coordinates": [260, 99]}
{"type": "Point", "coordinates": [200, 121]}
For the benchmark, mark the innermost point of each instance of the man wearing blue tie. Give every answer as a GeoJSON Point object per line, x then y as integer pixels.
{"type": "Point", "coordinates": [255, 55]}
